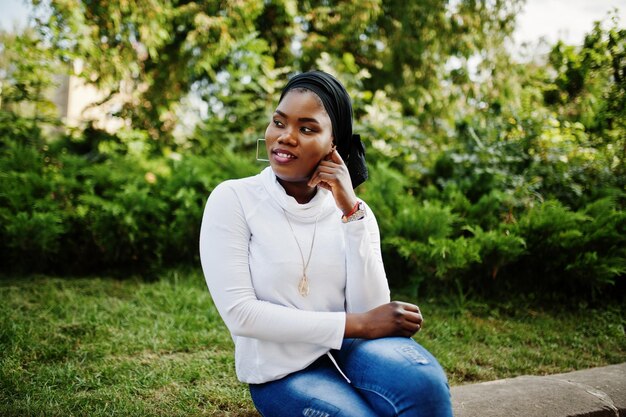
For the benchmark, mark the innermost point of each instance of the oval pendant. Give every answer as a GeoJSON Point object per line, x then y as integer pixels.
{"type": "Point", "coordinates": [303, 286]}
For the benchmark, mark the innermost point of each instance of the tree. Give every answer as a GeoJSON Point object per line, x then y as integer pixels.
{"type": "Point", "coordinates": [27, 70]}
{"type": "Point", "coordinates": [157, 52]}
{"type": "Point", "coordinates": [153, 53]}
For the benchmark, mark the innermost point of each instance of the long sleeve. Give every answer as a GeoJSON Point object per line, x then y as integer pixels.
{"type": "Point", "coordinates": [224, 254]}
{"type": "Point", "coordinates": [367, 285]}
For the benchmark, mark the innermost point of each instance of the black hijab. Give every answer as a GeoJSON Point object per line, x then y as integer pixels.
{"type": "Point", "coordinates": [338, 105]}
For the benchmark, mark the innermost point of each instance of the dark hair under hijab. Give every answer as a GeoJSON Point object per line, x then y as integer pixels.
{"type": "Point", "coordinates": [338, 105]}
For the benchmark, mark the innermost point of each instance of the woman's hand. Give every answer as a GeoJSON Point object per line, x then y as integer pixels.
{"type": "Point", "coordinates": [392, 319]}
{"type": "Point", "coordinates": [332, 174]}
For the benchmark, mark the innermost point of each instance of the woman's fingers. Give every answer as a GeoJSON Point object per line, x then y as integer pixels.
{"type": "Point", "coordinates": [332, 174]}
{"type": "Point", "coordinates": [335, 157]}
{"type": "Point", "coordinates": [393, 319]}
{"type": "Point", "coordinates": [411, 320]}
{"type": "Point", "coordinates": [407, 306]}
{"type": "Point", "coordinates": [411, 317]}
{"type": "Point", "coordinates": [414, 318]}
{"type": "Point", "coordinates": [326, 167]}
{"type": "Point", "coordinates": [414, 315]}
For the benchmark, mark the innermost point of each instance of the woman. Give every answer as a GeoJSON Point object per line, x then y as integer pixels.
{"type": "Point", "coordinates": [292, 260]}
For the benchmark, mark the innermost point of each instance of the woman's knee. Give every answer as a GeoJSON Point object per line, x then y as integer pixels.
{"type": "Point", "coordinates": [416, 367]}
{"type": "Point", "coordinates": [402, 372]}
{"type": "Point", "coordinates": [415, 371]}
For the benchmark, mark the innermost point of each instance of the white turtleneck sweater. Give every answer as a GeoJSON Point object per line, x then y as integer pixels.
{"type": "Point", "coordinates": [252, 266]}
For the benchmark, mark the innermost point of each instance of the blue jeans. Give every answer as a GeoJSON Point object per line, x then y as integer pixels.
{"type": "Point", "coordinates": [393, 376]}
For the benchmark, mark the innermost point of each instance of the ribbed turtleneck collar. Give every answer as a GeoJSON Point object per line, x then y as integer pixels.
{"type": "Point", "coordinates": [309, 210]}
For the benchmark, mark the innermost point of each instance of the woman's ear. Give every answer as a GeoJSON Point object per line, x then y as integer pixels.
{"type": "Point", "coordinates": [328, 156]}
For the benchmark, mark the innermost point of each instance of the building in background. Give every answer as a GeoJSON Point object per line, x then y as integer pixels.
{"type": "Point", "coordinates": [80, 103]}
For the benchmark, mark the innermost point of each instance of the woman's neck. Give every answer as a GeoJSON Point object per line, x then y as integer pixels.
{"type": "Point", "coordinates": [299, 190]}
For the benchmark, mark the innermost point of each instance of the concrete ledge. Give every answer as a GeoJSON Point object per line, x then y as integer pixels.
{"type": "Point", "coordinates": [596, 392]}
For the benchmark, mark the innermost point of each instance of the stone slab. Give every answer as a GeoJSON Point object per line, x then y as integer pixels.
{"type": "Point", "coordinates": [596, 392]}
{"type": "Point", "coordinates": [608, 380]}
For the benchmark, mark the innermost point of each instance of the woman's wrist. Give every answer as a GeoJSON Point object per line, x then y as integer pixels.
{"type": "Point", "coordinates": [357, 213]}
{"type": "Point", "coordinates": [349, 212]}
{"type": "Point", "coordinates": [355, 326]}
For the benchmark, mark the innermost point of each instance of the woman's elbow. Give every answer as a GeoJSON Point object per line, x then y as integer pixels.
{"type": "Point", "coordinates": [239, 322]}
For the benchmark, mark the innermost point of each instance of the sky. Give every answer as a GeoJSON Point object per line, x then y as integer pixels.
{"type": "Point", "coordinates": [568, 20]}
{"type": "Point", "coordinates": [11, 12]}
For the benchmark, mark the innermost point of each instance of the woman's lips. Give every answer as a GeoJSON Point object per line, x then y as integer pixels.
{"type": "Point", "coordinates": [282, 156]}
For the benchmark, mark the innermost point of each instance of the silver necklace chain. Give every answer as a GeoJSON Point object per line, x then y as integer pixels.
{"type": "Point", "coordinates": [303, 285]}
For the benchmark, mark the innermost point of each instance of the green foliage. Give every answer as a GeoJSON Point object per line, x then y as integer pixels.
{"type": "Point", "coordinates": [157, 53]}
{"type": "Point", "coordinates": [27, 72]}
{"type": "Point", "coordinates": [579, 251]}
{"type": "Point", "coordinates": [492, 176]}
{"type": "Point", "coordinates": [588, 92]}
{"type": "Point", "coordinates": [152, 52]}
{"type": "Point", "coordinates": [60, 212]}
{"type": "Point", "coordinates": [405, 46]}
{"type": "Point", "coordinates": [495, 245]}
{"type": "Point", "coordinates": [498, 248]}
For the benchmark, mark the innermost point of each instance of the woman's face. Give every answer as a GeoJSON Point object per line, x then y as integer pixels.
{"type": "Point", "coordinates": [299, 136]}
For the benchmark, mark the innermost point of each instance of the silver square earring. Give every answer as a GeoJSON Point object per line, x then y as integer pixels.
{"type": "Point", "coordinates": [263, 157]}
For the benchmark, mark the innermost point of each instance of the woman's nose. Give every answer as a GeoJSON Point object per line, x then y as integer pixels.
{"type": "Point", "coordinates": [287, 138]}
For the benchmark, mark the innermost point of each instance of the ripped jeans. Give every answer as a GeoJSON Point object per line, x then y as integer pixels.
{"type": "Point", "coordinates": [392, 376]}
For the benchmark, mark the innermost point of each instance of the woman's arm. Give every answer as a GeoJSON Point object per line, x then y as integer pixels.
{"type": "Point", "coordinates": [370, 314]}
{"type": "Point", "coordinates": [366, 286]}
{"type": "Point", "coordinates": [224, 240]}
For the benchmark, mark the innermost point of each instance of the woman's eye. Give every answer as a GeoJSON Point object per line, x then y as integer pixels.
{"type": "Point", "coordinates": [305, 129]}
{"type": "Point", "coordinates": [278, 123]}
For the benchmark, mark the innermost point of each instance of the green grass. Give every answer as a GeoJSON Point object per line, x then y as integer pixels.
{"type": "Point", "coordinates": [101, 347]}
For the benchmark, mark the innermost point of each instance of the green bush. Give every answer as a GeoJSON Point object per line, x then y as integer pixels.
{"type": "Point", "coordinates": [31, 223]}
{"type": "Point", "coordinates": [514, 183]}
{"type": "Point", "coordinates": [62, 212]}
{"type": "Point", "coordinates": [573, 252]}
{"type": "Point", "coordinates": [501, 242]}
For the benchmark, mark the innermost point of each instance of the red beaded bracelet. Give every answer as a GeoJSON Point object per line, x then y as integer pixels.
{"type": "Point", "coordinates": [357, 214]}
{"type": "Point", "coordinates": [354, 209]}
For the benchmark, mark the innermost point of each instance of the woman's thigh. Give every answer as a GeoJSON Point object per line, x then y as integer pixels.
{"type": "Point", "coordinates": [317, 391]}
{"type": "Point", "coordinates": [396, 376]}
